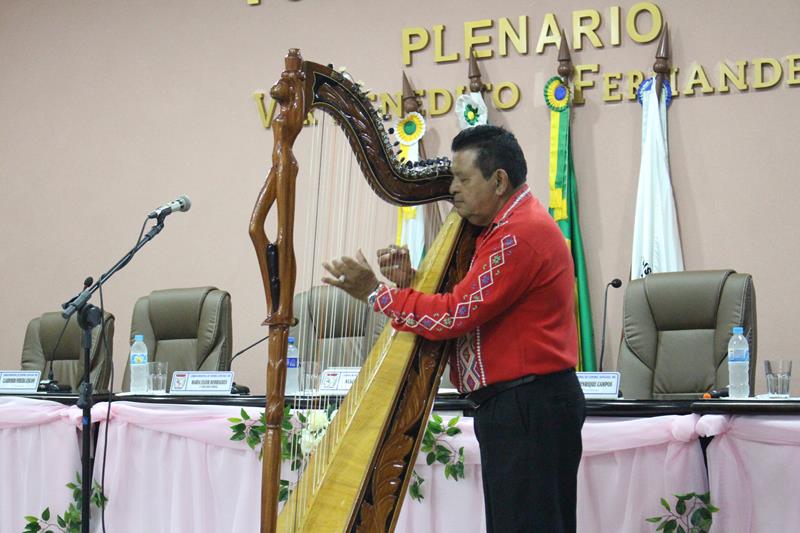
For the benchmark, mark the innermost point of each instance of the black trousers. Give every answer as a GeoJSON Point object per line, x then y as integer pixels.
{"type": "Point", "coordinates": [530, 443]}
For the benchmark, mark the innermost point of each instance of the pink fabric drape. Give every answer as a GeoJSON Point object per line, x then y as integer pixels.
{"type": "Point", "coordinates": [754, 472]}
{"type": "Point", "coordinates": [39, 455]}
{"type": "Point", "coordinates": [628, 465]}
{"type": "Point", "coordinates": [174, 469]}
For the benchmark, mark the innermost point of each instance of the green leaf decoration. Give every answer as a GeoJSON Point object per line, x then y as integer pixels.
{"type": "Point", "coordinates": [654, 519]}
{"type": "Point", "coordinates": [244, 414]}
{"type": "Point", "coordinates": [680, 530]}
{"type": "Point", "coordinates": [430, 458]}
{"type": "Point", "coordinates": [453, 421]}
{"type": "Point", "coordinates": [680, 507]}
{"type": "Point", "coordinates": [665, 505]}
{"type": "Point", "coordinates": [46, 514]}
{"type": "Point", "coordinates": [453, 431]}
{"type": "Point", "coordinates": [61, 522]}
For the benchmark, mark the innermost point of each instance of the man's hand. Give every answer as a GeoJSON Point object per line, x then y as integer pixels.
{"type": "Point", "coordinates": [395, 264]}
{"type": "Point", "coordinates": [353, 276]}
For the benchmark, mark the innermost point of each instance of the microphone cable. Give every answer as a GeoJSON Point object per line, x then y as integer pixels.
{"type": "Point", "coordinates": [111, 396]}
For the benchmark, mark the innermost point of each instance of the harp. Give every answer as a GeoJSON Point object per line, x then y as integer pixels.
{"type": "Point", "coordinates": [363, 464]}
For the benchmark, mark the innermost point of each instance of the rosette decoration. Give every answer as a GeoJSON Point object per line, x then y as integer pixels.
{"type": "Point", "coordinates": [556, 94]}
{"type": "Point", "coordinates": [409, 130]}
{"type": "Point", "coordinates": [666, 90]}
{"type": "Point", "coordinates": [471, 110]}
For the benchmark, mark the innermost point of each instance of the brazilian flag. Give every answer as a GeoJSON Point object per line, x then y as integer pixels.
{"type": "Point", "coordinates": [564, 210]}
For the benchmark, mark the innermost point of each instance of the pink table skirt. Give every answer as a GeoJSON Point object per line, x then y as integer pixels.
{"type": "Point", "coordinates": [194, 478]}
{"type": "Point", "coordinates": [754, 472]}
{"type": "Point", "coordinates": [174, 469]}
{"type": "Point", "coordinates": [39, 454]}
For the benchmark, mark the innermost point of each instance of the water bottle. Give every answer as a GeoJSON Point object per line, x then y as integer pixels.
{"type": "Point", "coordinates": [138, 364]}
{"type": "Point", "coordinates": [292, 368]}
{"type": "Point", "coordinates": [738, 365]}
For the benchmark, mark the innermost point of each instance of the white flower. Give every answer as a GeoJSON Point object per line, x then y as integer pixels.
{"type": "Point", "coordinates": [309, 441]}
{"type": "Point", "coordinates": [316, 421]}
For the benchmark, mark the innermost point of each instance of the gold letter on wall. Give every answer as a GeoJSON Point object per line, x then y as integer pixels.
{"type": "Point", "coordinates": [438, 46]}
{"type": "Point", "coordinates": [697, 76]}
{"type": "Point", "coordinates": [655, 15]}
{"type": "Point", "coordinates": [793, 70]}
{"type": "Point", "coordinates": [580, 84]}
{"type": "Point", "coordinates": [726, 74]}
{"type": "Point", "coordinates": [579, 29]}
{"type": "Point", "coordinates": [433, 101]}
{"type": "Point", "coordinates": [518, 39]}
{"type": "Point", "coordinates": [550, 34]}
{"type": "Point", "coordinates": [471, 40]}
{"type": "Point", "coordinates": [761, 82]}
{"type": "Point", "coordinates": [410, 45]}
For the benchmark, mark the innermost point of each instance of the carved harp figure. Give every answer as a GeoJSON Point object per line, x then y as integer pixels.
{"type": "Point", "coordinates": [355, 477]}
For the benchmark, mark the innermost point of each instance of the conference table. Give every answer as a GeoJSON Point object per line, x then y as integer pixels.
{"type": "Point", "coordinates": [171, 466]}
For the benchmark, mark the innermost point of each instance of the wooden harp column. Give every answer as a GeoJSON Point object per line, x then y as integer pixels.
{"type": "Point", "coordinates": [376, 499]}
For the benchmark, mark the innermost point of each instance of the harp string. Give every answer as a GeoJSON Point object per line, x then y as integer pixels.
{"type": "Point", "coordinates": [341, 210]}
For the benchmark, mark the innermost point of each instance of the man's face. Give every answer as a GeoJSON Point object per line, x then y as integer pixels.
{"type": "Point", "coordinates": [475, 198]}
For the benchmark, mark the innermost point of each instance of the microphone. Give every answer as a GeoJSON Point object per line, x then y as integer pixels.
{"type": "Point", "coordinates": [616, 283]}
{"type": "Point", "coordinates": [181, 203]}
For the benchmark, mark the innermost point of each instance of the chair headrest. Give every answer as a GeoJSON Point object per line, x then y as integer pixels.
{"type": "Point", "coordinates": [175, 313]}
{"type": "Point", "coordinates": [50, 327]}
{"type": "Point", "coordinates": [685, 300]}
{"type": "Point", "coordinates": [331, 312]}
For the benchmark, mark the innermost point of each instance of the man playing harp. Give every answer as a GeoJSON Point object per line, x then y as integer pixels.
{"type": "Point", "coordinates": [513, 315]}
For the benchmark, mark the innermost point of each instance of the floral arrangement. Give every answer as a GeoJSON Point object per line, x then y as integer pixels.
{"type": "Point", "coordinates": [303, 430]}
{"type": "Point", "coordinates": [435, 445]}
{"type": "Point", "coordinates": [692, 514]}
{"type": "Point", "coordinates": [70, 521]}
{"type": "Point", "coordinates": [300, 435]}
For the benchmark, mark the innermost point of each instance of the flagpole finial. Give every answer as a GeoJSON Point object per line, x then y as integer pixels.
{"type": "Point", "coordinates": [411, 104]}
{"type": "Point", "coordinates": [564, 59]}
{"type": "Point", "coordinates": [662, 66]}
{"type": "Point", "coordinates": [476, 85]}
{"type": "Point", "coordinates": [410, 101]}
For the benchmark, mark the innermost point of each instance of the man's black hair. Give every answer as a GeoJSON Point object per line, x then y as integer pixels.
{"type": "Point", "coordinates": [495, 148]}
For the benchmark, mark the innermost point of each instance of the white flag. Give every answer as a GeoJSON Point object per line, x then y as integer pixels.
{"type": "Point", "coordinates": [656, 241]}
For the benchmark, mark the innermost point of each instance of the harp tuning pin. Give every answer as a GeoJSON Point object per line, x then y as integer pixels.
{"type": "Point", "coordinates": [391, 131]}
{"type": "Point", "coordinates": [396, 143]}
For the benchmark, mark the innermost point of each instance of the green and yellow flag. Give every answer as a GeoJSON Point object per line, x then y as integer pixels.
{"type": "Point", "coordinates": [564, 210]}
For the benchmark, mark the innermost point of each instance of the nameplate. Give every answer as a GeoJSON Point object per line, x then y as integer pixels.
{"type": "Point", "coordinates": [201, 383]}
{"type": "Point", "coordinates": [338, 378]}
{"type": "Point", "coordinates": [599, 385]}
{"type": "Point", "coordinates": [19, 381]}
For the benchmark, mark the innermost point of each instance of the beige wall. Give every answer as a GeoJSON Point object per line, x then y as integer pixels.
{"type": "Point", "coordinates": [108, 109]}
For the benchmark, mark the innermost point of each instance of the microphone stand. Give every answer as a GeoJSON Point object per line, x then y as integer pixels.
{"type": "Point", "coordinates": [616, 283]}
{"type": "Point", "coordinates": [89, 317]}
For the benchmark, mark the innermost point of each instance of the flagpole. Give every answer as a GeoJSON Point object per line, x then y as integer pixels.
{"type": "Point", "coordinates": [662, 66]}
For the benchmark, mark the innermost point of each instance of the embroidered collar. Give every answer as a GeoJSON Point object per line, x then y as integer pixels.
{"type": "Point", "coordinates": [519, 197]}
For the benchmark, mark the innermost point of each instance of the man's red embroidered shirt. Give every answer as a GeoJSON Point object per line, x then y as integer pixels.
{"type": "Point", "coordinates": [514, 311]}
